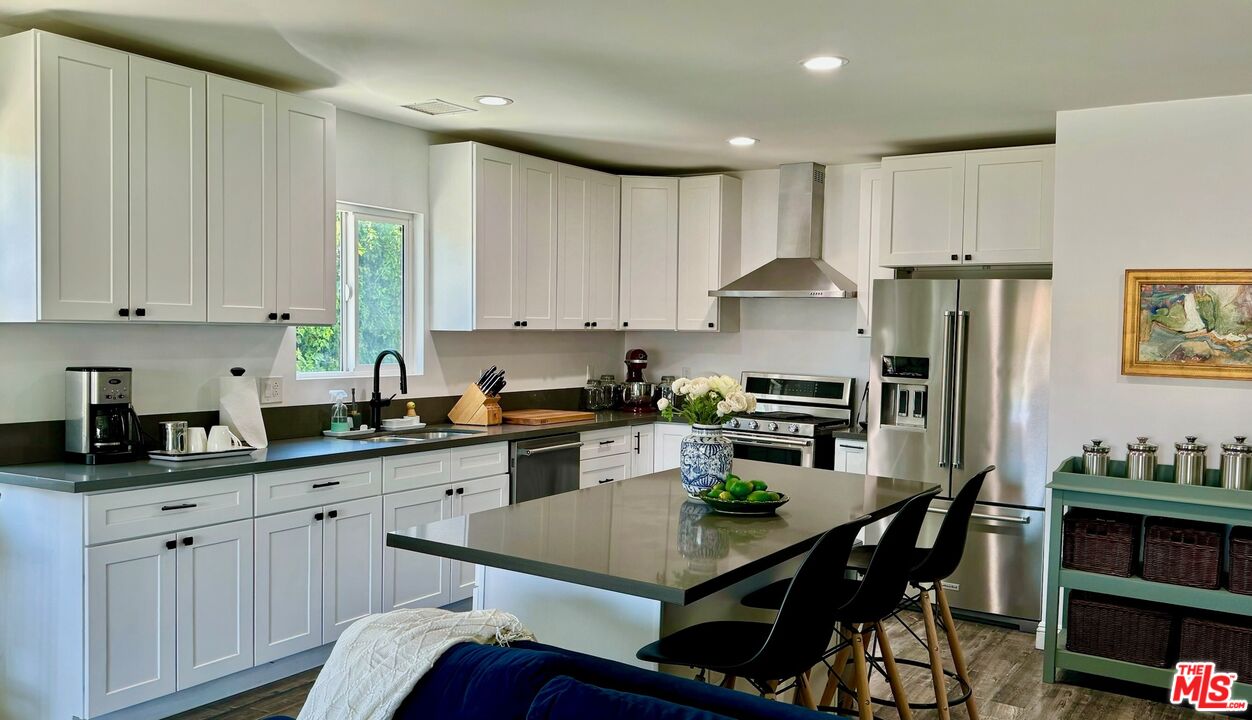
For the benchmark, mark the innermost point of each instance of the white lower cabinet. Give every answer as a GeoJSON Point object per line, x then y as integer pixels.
{"type": "Point", "coordinates": [413, 580]}
{"type": "Point", "coordinates": [850, 456]}
{"type": "Point", "coordinates": [668, 441]}
{"type": "Point", "coordinates": [601, 470]}
{"type": "Point", "coordinates": [468, 498]}
{"type": "Point", "coordinates": [352, 566]}
{"type": "Point", "coordinates": [643, 457]}
{"type": "Point", "coordinates": [214, 602]}
{"type": "Point", "coordinates": [130, 622]}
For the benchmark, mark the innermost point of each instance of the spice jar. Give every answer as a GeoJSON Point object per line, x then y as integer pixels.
{"type": "Point", "coordinates": [1190, 459]}
{"type": "Point", "coordinates": [1095, 458]}
{"type": "Point", "coordinates": [1237, 464]}
{"type": "Point", "coordinates": [1141, 459]}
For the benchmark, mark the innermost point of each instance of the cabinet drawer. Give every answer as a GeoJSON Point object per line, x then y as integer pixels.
{"type": "Point", "coordinates": [419, 470]}
{"type": "Point", "coordinates": [603, 470]}
{"type": "Point", "coordinates": [167, 508]}
{"type": "Point", "coordinates": [308, 487]}
{"type": "Point", "coordinates": [600, 443]}
{"type": "Point", "coordinates": [478, 461]}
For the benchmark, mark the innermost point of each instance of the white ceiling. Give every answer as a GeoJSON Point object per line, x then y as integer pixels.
{"type": "Point", "coordinates": [662, 83]}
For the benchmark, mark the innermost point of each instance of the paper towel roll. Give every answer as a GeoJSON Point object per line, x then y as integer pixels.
{"type": "Point", "coordinates": [240, 408]}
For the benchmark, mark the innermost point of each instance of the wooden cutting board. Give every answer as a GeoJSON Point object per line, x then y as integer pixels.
{"type": "Point", "coordinates": [546, 417]}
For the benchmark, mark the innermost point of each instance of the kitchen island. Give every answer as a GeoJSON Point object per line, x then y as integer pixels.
{"type": "Point", "coordinates": [608, 569]}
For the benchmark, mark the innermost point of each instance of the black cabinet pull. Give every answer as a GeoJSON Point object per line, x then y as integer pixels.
{"type": "Point", "coordinates": [969, 257]}
{"type": "Point", "coordinates": [860, 331]}
{"type": "Point", "coordinates": [625, 324]}
{"type": "Point", "coordinates": [124, 312]}
{"type": "Point", "coordinates": [170, 544]}
{"type": "Point", "coordinates": [606, 480]}
{"type": "Point", "coordinates": [332, 514]}
{"type": "Point", "coordinates": [273, 316]}
{"type": "Point", "coordinates": [523, 323]}
{"type": "Point", "coordinates": [140, 312]}
{"type": "Point", "coordinates": [594, 324]}
{"type": "Point", "coordinates": [637, 438]}
{"type": "Point", "coordinates": [607, 442]}
{"type": "Point", "coordinates": [180, 506]}
{"type": "Point", "coordinates": [318, 516]}
{"type": "Point", "coordinates": [286, 316]}
{"type": "Point", "coordinates": [586, 324]}
{"type": "Point", "coordinates": [956, 257]}
{"type": "Point", "coordinates": [188, 540]}
{"type": "Point", "coordinates": [329, 483]}
{"type": "Point", "coordinates": [517, 323]}
{"type": "Point", "coordinates": [460, 491]}
{"type": "Point", "coordinates": [448, 492]}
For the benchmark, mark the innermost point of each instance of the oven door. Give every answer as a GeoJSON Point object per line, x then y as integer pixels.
{"type": "Point", "coordinates": [768, 448]}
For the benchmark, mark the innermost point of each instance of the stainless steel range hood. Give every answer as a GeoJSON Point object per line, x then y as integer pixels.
{"type": "Point", "coordinates": [799, 270]}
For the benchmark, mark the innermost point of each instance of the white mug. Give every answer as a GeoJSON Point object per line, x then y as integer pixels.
{"type": "Point", "coordinates": [197, 440]}
{"type": "Point", "coordinates": [221, 439]}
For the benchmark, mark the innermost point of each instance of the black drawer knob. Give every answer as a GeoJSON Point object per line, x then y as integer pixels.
{"type": "Point", "coordinates": [625, 324]}
{"type": "Point", "coordinates": [286, 316]}
{"type": "Point", "coordinates": [448, 492]}
{"type": "Point", "coordinates": [860, 331]}
{"type": "Point", "coordinates": [460, 491]}
{"type": "Point", "coordinates": [969, 257]}
{"type": "Point", "coordinates": [140, 312]}
{"type": "Point", "coordinates": [318, 516]}
{"type": "Point", "coordinates": [710, 324]}
{"type": "Point", "coordinates": [273, 316]}
{"type": "Point", "coordinates": [189, 540]}
{"type": "Point", "coordinates": [124, 312]}
{"type": "Point", "coordinates": [517, 323]}
{"type": "Point", "coordinates": [593, 324]}
{"type": "Point", "coordinates": [170, 544]}
{"type": "Point", "coordinates": [956, 257]}
{"type": "Point", "coordinates": [332, 514]}
{"type": "Point", "coordinates": [523, 323]}
{"type": "Point", "coordinates": [586, 324]}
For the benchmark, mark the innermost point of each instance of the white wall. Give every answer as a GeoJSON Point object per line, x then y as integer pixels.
{"type": "Point", "coordinates": [815, 336]}
{"type": "Point", "coordinates": [176, 367]}
{"type": "Point", "coordinates": [1162, 185]}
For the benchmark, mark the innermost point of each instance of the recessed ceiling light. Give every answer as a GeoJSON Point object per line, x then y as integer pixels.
{"type": "Point", "coordinates": [825, 62]}
{"type": "Point", "coordinates": [493, 100]}
{"type": "Point", "coordinates": [742, 141]}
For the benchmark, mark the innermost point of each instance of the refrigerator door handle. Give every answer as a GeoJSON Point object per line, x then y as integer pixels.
{"type": "Point", "coordinates": [945, 391]}
{"type": "Point", "coordinates": [958, 391]}
{"type": "Point", "coordinates": [1016, 520]}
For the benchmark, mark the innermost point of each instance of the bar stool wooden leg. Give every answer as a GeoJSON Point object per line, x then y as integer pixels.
{"type": "Point", "coordinates": [804, 694]}
{"type": "Point", "coordinates": [893, 674]}
{"type": "Point", "coordinates": [835, 673]}
{"type": "Point", "coordinates": [936, 660]}
{"type": "Point", "coordinates": [729, 682]}
{"type": "Point", "coordinates": [864, 707]}
{"type": "Point", "coordinates": [954, 644]}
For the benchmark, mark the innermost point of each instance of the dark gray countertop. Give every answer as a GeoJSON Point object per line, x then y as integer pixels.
{"type": "Point", "coordinates": [281, 455]}
{"type": "Point", "coordinates": [645, 537]}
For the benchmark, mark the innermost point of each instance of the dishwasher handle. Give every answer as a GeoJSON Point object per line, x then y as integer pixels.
{"type": "Point", "coordinates": [551, 448]}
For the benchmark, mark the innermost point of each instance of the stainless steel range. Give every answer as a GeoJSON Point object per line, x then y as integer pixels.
{"type": "Point", "coordinates": [795, 418]}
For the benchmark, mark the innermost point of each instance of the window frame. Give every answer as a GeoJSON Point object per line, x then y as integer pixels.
{"type": "Point", "coordinates": [413, 289]}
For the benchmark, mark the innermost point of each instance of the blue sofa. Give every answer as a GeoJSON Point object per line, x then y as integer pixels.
{"type": "Point", "coordinates": [531, 681]}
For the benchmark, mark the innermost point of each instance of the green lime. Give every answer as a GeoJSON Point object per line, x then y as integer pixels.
{"type": "Point", "coordinates": [773, 496]}
{"type": "Point", "coordinates": [716, 489]}
{"type": "Point", "coordinates": [759, 485]}
{"type": "Point", "coordinates": [739, 489]}
{"type": "Point", "coordinates": [759, 496]}
{"type": "Point", "coordinates": [731, 477]}
{"type": "Point", "coordinates": [723, 495]}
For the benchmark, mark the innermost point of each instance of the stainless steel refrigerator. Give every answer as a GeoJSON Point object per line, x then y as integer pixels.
{"type": "Point", "coordinates": [959, 381]}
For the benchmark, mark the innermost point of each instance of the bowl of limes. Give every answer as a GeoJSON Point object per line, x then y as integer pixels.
{"type": "Point", "coordinates": [736, 496]}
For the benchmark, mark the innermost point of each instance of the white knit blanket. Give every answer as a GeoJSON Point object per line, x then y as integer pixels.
{"type": "Point", "coordinates": [379, 658]}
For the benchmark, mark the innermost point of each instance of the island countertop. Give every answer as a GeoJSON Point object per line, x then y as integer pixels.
{"type": "Point", "coordinates": [645, 537]}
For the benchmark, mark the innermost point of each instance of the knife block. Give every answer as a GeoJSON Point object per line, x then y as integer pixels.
{"type": "Point", "coordinates": [475, 408]}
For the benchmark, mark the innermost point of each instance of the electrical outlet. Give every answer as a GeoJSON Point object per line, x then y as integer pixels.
{"type": "Point", "coordinates": [272, 390]}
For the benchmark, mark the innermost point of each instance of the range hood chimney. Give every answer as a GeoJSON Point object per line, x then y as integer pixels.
{"type": "Point", "coordinates": [799, 270]}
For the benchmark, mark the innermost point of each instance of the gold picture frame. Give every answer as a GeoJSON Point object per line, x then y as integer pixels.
{"type": "Point", "coordinates": [1188, 323]}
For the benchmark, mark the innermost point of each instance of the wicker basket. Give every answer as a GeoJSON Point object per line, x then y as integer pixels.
{"type": "Point", "coordinates": [1182, 553]}
{"type": "Point", "coordinates": [1103, 542]}
{"type": "Point", "coordinates": [1240, 561]}
{"type": "Point", "coordinates": [1225, 640]}
{"type": "Point", "coordinates": [1120, 629]}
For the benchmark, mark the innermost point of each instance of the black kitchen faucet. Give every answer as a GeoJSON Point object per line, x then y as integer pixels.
{"type": "Point", "coordinates": [376, 399]}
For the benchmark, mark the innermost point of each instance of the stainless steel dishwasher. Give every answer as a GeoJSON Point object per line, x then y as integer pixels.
{"type": "Point", "coordinates": [545, 466]}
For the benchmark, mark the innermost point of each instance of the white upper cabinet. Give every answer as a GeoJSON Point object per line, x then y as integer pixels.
{"type": "Point", "coordinates": [168, 252]}
{"type": "Point", "coordinates": [869, 234]}
{"type": "Point", "coordinates": [1008, 205]}
{"type": "Point", "coordinates": [708, 251]}
{"type": "Point", "coordinates": [537, 257]}
{"type": "Point", "coordinates": [307, 280]}
{"type": "Point", "coordinates": [587, 249]}
{"type": "Point", "coordinates": [242, 183]}
{"type": "Point", "coordinates": [649, 270]}
{"type": "Point", "coordinates": [981, 207]}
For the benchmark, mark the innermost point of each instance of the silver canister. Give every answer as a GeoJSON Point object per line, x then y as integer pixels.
{"type": "Point", "coordinates": [1141, 460]}
{"type": "Point", "coordinates": [1237, 464]}
{"type": "Point", "coordinates": [1190, 459]}
{"type": "Point", "coordinates": [1095, 458]}
{"type": "Point", "coordinates": [174, 436]}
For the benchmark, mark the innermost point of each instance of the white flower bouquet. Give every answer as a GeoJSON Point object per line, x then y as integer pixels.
{"type": "Point", "coordinates": [708, 400]}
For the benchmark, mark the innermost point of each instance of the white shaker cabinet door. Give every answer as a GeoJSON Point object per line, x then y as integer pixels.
{"type": "Point", "coordinates": [699, 251]}
{"type": "Point", "coordinates": [1008, 205]}
{"type": "Point", "coordinates": [643, 459]}
{"type": "Point", "coordinates": [649, 264]}
{"type": "Point", "coordinates": [468, 498]}
{"type": "Point", "coordinates": [307, 279]}
{"type": "Point", "coordinates": [241, 194]}
{"type": "Point", "coordinates": [668, 441]}
{"type": "Point", "coordinates": [922, 210]}
{"type": "Point", "coordinates": [603, 222]}
{"type": "Point", "coordinates": [130, 623]}
{"type": "Point", "coordinates": [537, 264]}
{"type": "Point", "coordinates": [83, 196]}
{"type": "Point", "coordinates": [410, 579]}
{"type": "Point", "coordinates": [574, 186]}
{"type": "Point", "coordinates": [168, 251]}
{"type": "Point", "coordinates": [352, 564]}
{"type": "Point", "coordinates": [288, 592]}
{"type": "Point", "coordinates": [214, 602]}
{"type": "Point", "coordinates": [497, 237]}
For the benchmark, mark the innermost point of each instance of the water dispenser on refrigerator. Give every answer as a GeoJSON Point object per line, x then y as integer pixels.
{"type": "Point", "coordinates": [905, 400]}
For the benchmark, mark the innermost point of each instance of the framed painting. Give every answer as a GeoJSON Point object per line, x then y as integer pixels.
{"type": "Point", "coordinates": [1188, 323]}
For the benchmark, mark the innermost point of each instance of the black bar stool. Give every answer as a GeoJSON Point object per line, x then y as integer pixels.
{"type": "Point", "coordinates": [767, 654]}
{"type": "Point", "coordinates": [931, 566]}
{"type": "Point", "coordinates": [870, 600]}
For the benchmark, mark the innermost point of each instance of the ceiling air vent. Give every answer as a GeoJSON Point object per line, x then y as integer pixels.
{"type": "Point", "coordinates": [437, 107]}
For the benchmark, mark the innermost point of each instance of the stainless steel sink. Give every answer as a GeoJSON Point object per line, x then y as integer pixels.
{"type": "Point", "coordinates": [440, 434]}
{"type": "Point", "coordinates": [389, 439]}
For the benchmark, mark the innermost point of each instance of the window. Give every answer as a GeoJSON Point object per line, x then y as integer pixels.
{"type": "Point", "coordinates": [376, 302]}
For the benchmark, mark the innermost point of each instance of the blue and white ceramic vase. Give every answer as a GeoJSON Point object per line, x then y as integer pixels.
{"type": "Point", "coordinates": [705, 458]}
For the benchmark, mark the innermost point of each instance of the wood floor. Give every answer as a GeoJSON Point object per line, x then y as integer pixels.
{"type": "Point", "coordinates": [1004, 663]}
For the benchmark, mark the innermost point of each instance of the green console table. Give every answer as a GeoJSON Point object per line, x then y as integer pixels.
{"type": "Point", "coordinates": [1160, 498]}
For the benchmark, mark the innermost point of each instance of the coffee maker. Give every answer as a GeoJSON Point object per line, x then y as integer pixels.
{"type": "Point", "coordinates": [100, 424]}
